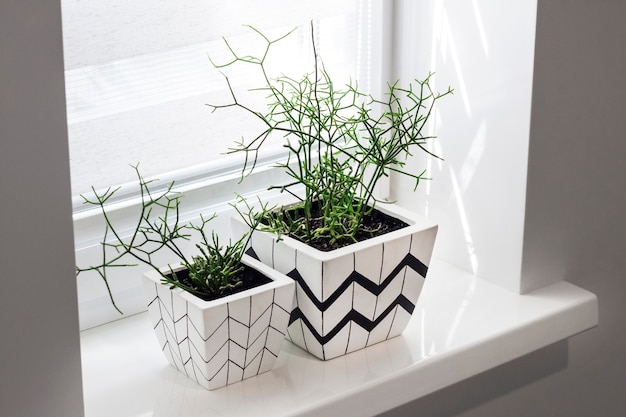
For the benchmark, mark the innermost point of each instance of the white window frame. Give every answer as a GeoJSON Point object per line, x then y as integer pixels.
{"type": "Point", "coordinates": [205, 192]}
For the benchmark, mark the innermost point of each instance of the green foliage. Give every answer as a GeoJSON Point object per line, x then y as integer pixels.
{"type": "Point", "coordinates": [340, 141]}
{"type": "Point", "coordinates": [216, 271]}
{"type": "Point", "coordinates": [213, 271]}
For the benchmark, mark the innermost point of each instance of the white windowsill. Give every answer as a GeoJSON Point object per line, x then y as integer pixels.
{"type": "Point", "coordinates": [461, 327]}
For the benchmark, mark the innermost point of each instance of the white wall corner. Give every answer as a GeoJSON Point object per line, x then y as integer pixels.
{"type": "Point", "coordinates": [484, 49]}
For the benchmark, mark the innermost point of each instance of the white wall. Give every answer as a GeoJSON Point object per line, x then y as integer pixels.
{"type": "Point", "coordinates": [40, 372]}
{"type": "Point", "coordinates": [574, 227]}
{"type": "Point", "coordinates": [484, 50]}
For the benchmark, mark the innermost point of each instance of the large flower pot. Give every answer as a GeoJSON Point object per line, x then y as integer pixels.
{"type": "Point", "coordinates": [223, 341]}
{"type": "Point", "coordinates": [354, 296]}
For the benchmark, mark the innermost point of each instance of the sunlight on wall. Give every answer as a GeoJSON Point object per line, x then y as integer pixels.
{"type": "Point", "coordinates": [484, 50]}
{"type": "Point", "coordinates": [444, 47]}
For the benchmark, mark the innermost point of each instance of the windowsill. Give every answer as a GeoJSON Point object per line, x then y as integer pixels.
{"type": "Point", "coordinates": [461, 327]}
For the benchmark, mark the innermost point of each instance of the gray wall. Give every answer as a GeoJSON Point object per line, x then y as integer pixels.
{"type": "Point", "coordinates": [574, 228]}
{"type": "Point", "coordinates": [40, 374]}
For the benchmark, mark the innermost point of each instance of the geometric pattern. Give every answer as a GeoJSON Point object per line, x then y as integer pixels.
{"type": "Point", "coordinates": [352, 297]}
{"type": "Point", "coordinates": [410, 261]}
{"type": "Point", "coordinates": [223, 341]}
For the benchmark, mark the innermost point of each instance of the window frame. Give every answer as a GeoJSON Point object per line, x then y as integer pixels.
{"type": "Point", "coordinates": [208, 189]}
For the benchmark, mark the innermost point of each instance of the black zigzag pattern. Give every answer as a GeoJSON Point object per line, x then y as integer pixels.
{"type": "Point", "coordinates": [380, 308]}
{"type": "Point", "coordinates": [353, 316]}
{"type": "Point", "coordinates": [376, 289]}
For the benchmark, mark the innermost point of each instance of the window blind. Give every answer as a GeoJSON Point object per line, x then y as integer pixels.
{"type": "Point", "coordinates": [138, 77]}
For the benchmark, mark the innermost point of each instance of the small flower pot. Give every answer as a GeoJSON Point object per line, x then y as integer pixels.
{"type": "Point", "coordinates": [355, 296]}
{"type": "Point", "coordinates": [223, 341]}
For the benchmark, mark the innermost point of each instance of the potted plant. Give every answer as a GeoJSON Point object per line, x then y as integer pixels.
{"type": "Point", "coordinates": [359, 265]}
{"type": "Point", "coordinates": [220, 316]}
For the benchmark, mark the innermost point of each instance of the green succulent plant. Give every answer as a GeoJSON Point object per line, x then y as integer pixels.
{"type": "Point", "coordinates": [215, 272]}
{"type": "Point", "coordinates": [340, 143]}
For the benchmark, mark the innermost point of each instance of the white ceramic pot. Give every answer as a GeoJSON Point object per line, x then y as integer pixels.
{"type": "Point", "coordinates": [223, 341]}
{"type": "Point", "coordinates": [354, 296]}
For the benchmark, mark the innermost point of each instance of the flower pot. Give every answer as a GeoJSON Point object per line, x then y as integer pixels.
{"type": "Point", "coordinates": [355, 296]}
{"type": "Point", "coordinates": [223, 341]}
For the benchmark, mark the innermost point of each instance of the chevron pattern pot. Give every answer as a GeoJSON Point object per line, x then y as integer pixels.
{"type": "Point", "coordinates": [223, 341]}
{"type": "Point", "coordinates": [354, 296]}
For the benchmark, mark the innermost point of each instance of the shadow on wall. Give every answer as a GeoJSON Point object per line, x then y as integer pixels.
{"type": "Point", "coordinates": [482, 388]}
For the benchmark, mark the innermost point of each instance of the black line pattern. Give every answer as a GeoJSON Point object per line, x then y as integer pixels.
{"type": "Point", "coordinates": [334, 341]}
{"type": "Point", "coordinates": [409, 260]}
{"type": "Point", "coordinates": [353, 316]}
{"type": "Point", "coordinates": [379, 307]}
{"type": "Point", "coordinates": [233, 349]}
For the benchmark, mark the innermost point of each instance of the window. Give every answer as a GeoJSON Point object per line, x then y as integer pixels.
{"type": "Point", "coordinates": [482, 48]}
{"type": "Point", "coordinates": [138, 78]}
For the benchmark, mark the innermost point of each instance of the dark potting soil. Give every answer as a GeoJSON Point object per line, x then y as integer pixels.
{"type": "Point", "coordinates": [376, 223]}
{"type": "Point", "coordinates": [249, 277]}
